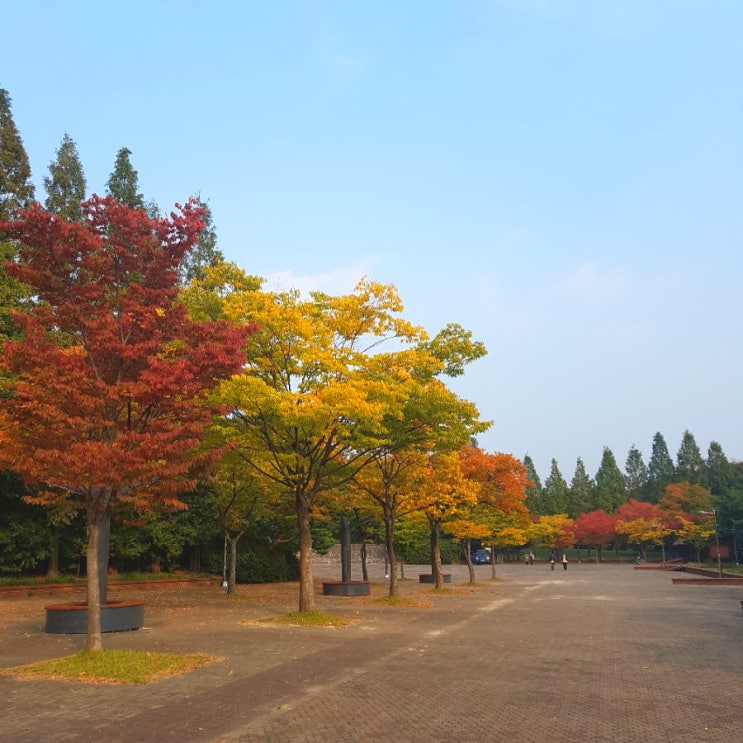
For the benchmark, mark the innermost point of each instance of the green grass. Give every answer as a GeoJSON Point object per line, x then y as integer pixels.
{"type": "Point", "coordinates": [52, 580]}
{"type": "Point", "coordinates": [112, 667]}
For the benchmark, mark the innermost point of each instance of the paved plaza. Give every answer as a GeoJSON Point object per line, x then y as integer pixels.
{"type": "Point", "coordinates": [595, 653]}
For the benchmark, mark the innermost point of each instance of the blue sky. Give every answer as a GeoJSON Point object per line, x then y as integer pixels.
{"type": "Point", "coordinates": [562, 177]}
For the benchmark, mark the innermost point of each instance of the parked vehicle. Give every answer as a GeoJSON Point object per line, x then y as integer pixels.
{"type": "Point", "coordinates": [481, 557]}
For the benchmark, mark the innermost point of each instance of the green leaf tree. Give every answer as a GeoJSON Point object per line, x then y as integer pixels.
{"type": "Point", "coordinates": [65, 184]}
{"type": "Point", "coordinates": [580, 493]}
{"type": "Point", "coordinates": [610, 485]}
{"type": "Point", "coordinates": [719, 473]}
{"type": "Point", "coordinates": [123, 183]}
{"type": "Point", "coordinates": [689, 461]}
{"type": "Point", "coordinates": [661, 470]}
{"type": "Point", "coordinates": [16, 194]}
{"type": "Point", "coordinates": [534, 494]}
{"type": "Point", "coordinates": [636, 474]}
{"type": "Point", "coordinates": [555, 491]}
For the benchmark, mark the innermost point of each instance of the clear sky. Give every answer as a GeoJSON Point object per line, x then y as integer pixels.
{"type": "Point", "coordinates": [564, 178]}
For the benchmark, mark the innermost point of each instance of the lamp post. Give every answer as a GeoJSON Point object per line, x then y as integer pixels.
{"type": "Point", "coordinates": [713, 513]}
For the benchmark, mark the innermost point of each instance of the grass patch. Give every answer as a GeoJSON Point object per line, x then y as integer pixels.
{"type": "Point", "coordinates": [112, 667]}
{"type": "Point", "coordinates": [401, 601]}
{"type": "Point", "coordinates": [310, 619]}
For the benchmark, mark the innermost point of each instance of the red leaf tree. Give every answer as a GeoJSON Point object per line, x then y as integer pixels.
{"type": "Point", "coordinates": [109, 397]}
{"type": "Point", "coordinates": [596, 529]}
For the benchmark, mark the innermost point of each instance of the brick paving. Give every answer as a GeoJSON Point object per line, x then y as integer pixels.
{"type": "Point", "coordinates": [594, 653]}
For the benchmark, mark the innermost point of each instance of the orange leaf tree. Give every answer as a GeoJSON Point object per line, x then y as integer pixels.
{"type": "Point", "coordinates": [111, 375]}
{"type": "Point", "coordinates": [503, 484]}
{"type": "Point", "coordinates": [642, 523]}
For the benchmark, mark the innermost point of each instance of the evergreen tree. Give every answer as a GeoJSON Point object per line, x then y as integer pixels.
{"type": "Point", "coordinates": [636, 474]}
{"type": "Point", "coordinates": [689, 462]}
{"type": "Point", "coordinates": [534, 499]}
{"type": "Point", "coordinates": [610, 490]}
{"type": "Point", "coordinates": [65, 184]}
{"type": "Point", "coordinates": [718, 470]}
{"type": "Point", "coordinates": [580, 494]}
{"type": "Point", "coordinates": [16, 188]}
{"type": "Point", "coordinates": [555, 492]}
{"type": "Point", "coordinates": [124, 182]}
{"type": "Point", "coordinates": [661, 470]}
{"type": "Point", "coordinates": [205, 252]}
{"type": "Point", "coordinates": [16, 193]}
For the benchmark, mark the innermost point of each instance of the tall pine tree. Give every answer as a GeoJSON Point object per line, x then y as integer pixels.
{"type": "Point", "coordinates": [555, 492]}
{"type": "Point", "coordinates": [65, 184]}
{"type": "Point", "coordinates": [123, 183]}
{"type": "Point", "coordinates": [205, 252]}
{"type": "Point", "coordinates": [534, 499]}
{"type": "Point", "coordinates": [689, 462]}
{"type": "Point", "coordinates": [661, 470]}
{"type": "Point", "coordinates": [636, 474]}
{"type": "Point", "coordinates": [580, 494]}
{"type": "Point", "coordinates": [16, 193]}
{"type": "Point", "coordinates": [610, 490]}
{"type": "Point", "coordinates": [719, 473]}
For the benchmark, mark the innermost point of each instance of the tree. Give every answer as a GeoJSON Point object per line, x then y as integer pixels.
{"type": "Point", "coordinates": [16, 188]}
{"type": "Point", "coordinates": [718, 470]}
{"type": "Point", "coordinates": [610, 492]}
{"type": "Point", "coordinates": [641, 523]}
{"type": "Point", "coordinates": [16, 194]}
{"type": "Point", "coordinates": [111, 376]}
{"type": "Point", "coordinates": [595, 529]}
{"type": "Point", "coordinates": [555, 491]}
{"type": "Point", "coordinates": [661, 470]}
{"type": "Point", "coordinates": [580, 493]}
{"type": "Point", "coordinates": [555, 531]}
{"type": "Point", "coordinates": [636, 474]}
{"type": "Point", "coordinates": [205, 252]}
{"type": "Point", "coordinates": [689, 461]}
{"type": "Point", "coordinates": [534, 494]}
{"type": "Point", "coordinates": [443, 493]}
{"type": "Point", "coordinates": [65, 184]}
{"type": "Point", "coordinates": [501, 514]}
{"type": "Point", "coordinates": [682, 498]}
{"type": "Point", "coordinates": [390, 481]}
{"type": "Point", "coordinates": [696, 534]}
{"type": "Point", "coordinates": [310, 406]}
{"type": "Point", "coordinates": [123, 183]}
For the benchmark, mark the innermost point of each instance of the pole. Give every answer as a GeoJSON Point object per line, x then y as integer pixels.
{"type": "Point", "coordinates": [717, 543]}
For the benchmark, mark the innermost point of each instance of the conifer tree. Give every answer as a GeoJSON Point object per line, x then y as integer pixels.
{"type": "Point", "coordinates": [534, 500]}
{"type": "Point", "coordinates": [610, 491]}
{"type": "Point", "coordinates": [689, 462]}
{"type": "Point", "coordinates": [661, 470]}
{"type": "Point", "coordinates": [555, 492]}
{"type": "Point", "coordinates": [123, 183]}
{"type": "Point", "coordinates": [580, 494]}
{"type": "Point", "coordinates": [205, 253]}
{"type": "Point", "coordinates": [16, 188]}
{"type": "Point", "coordinates": [636, 474]}
{"type": "Point", "coordinates": [719, 473]}
{"type": "Point", "coordinates": [65, 184]}
{"type": "Point", "coordinates": [16, 193]}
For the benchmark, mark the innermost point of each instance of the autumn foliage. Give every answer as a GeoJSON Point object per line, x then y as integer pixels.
{"type": "Point", "coordinates": [111, 375]}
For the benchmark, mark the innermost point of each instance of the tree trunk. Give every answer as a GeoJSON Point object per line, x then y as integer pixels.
{"type": "Point", "coordinates": [306, 584]}
{"type": "Point", "coordinates": [466, 544]}
{"type": "Point", "coordinates": [362, 554]}
{"type": "Point", "coordinates": [492, 560]}
{"type": "Point", "coordinates": [94, 639]}
{"type": "Point", "coordinates": [232, 571]}
{"type": "Point", "coordinates": [389, 541]}
{"type": "Point", "coordinates": [103, 551]}
{"type": "Point", "coordinates": [53, 567]}
{"type": "Point", "coordinates": [436, 557]}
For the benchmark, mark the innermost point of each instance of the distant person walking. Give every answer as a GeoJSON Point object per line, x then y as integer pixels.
{"type": "Point", "coordinates": [564, 561]}
{"type": "Point", "coordinates": [552, 562]}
